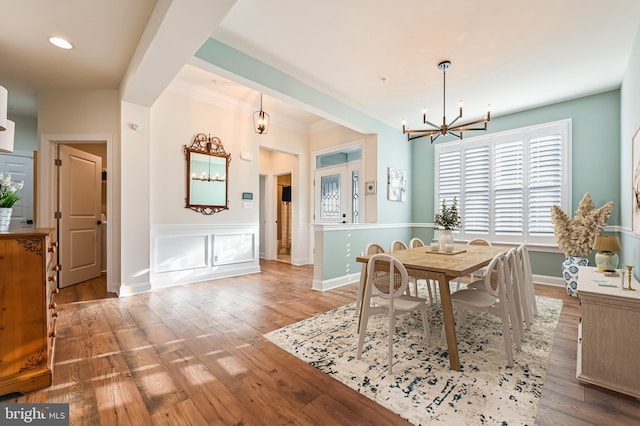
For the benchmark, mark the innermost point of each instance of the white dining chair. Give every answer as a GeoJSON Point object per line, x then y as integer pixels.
{"type": "Point", "coordinates": [372, 248]}
{"type": "Point", "coordinates": [397, 245]}
{"type": "Point", "coordinates": [384, 293]}
{"type": "Point", "coordinates": [400, 245]}
{"type": "Point", "coordinates": [479, 272]}
{"type": "Point", "coordinates": [492, 297]}
{"type": "Point", "coordinates": [529, 304]}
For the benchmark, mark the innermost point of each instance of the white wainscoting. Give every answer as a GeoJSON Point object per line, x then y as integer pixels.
{"type": "Point", "coordinates": [183, 254]}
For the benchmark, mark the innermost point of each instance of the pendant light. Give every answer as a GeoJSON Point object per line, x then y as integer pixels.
{"type": "Point", "coordinates": [261, 120]}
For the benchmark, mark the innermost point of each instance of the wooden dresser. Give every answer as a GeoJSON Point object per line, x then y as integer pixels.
{"type": "Point", "coordinates": [608, 336]}
{"type": "Point", "coordinates": [27, 309]}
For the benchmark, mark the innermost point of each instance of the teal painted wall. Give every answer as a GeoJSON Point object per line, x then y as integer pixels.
{"type": "Point", "coordinates": [595, 165]}
{"type": "Point", "coordinates": [629, 125]}
{"type": "Point", "coordinates": [342, 247]}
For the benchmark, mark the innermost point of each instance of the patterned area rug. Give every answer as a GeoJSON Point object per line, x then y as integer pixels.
{"type": "Point", "coordinates": [423, 389]}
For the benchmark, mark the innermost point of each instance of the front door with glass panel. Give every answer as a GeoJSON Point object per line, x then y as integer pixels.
{"type": "Point", "coordinates": [337, 194]}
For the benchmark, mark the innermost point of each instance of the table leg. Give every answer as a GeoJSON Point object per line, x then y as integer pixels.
{"type": "Point", "coordinates": [361, 289]}
{"type": "Point", "coordinates": [449, 322]}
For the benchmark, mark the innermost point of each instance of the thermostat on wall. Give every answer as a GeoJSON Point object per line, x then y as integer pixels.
{"type": "Point", "coordinates": [247, 195]}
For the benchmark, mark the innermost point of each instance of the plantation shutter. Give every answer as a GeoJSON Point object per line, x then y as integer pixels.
{"type": "Point", "coordinates": [509, 188]}
{"type": "Point", "coordinates": [545, 182]}
{"type": "Point", "coordinates": [449, 177]}
{"type": "Point", "coordinates": [475, 203]}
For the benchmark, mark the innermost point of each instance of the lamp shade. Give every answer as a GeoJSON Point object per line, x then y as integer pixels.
{"type": "Point", "coordinates": [3, 108]}
{"type": "Point", "coordinates": [6, 137]}
{"type": "Point", "coordinates": [607, 243]}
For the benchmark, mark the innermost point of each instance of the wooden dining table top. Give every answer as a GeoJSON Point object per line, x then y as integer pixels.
{"type": "Point", "coordinates": [464, 259]}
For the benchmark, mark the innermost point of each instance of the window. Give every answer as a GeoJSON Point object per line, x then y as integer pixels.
{"type": "Point", "coordinates": [507, 182]}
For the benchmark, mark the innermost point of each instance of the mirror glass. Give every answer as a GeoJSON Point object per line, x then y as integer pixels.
{"type": "Point", "coordinates": [207, 175]}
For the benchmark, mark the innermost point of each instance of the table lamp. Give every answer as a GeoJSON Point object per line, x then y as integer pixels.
{"type": "Point", "coordinates": [606, 258]}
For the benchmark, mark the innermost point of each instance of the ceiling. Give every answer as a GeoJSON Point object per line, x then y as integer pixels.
{"type": "Point", "coordinates": [379, 57]}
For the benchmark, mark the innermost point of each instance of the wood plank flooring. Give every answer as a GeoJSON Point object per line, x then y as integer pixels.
{"type": "Point", "coordinates": [194, 355]}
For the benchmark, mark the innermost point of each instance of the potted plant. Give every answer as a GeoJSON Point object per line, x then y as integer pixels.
{"type": "Point", "coordinates": [447, 221]}
{"type": "Point", "coordinates": [8, 197]}
{"type": "Point", "coordinates": [575, 236]}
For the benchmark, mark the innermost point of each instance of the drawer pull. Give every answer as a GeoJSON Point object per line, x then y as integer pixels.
{"type": "Point", "coordinates": [53, 247]}
{"type": "Point", "coordinates": [53, 278]}
{"type": "Point", "coordinates": [53, 305]}
{"type": "Point", "coordinates": [54, 315]}
{"type": "Point", "coordinates": [55, 291]}
{"type": "Point", "coordinates": [54, 333]}
{"type": "Point", "coordinates": [56, 268]}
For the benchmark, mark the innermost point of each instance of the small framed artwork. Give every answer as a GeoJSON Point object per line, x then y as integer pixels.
{"type": "Point", "coordinates": [370, 187]}
{"type": "Point", "coordinates": [635, 202]}
{"type": "Point", "coordinates": [396, 184]}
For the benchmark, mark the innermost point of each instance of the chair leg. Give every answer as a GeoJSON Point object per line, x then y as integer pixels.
{"type": "Point", "coordinates": [392, 328]}
{"type": "Point", "coordinates": [425, 323]}
{"type": "Point", "coordinates": [507, 339]}
{"type": "Point", "coordinates": [363, 331]}
{"type": "Point", "coordinates": [431, 292]}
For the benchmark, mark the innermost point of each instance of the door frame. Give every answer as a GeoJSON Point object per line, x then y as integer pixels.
{"type": "Point", "coordinates": [48, 189]}
{"type": "Point", "coordinates": [358, 143]}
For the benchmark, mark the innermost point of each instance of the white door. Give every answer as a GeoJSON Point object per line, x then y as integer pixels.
{"type": "Point", "coordinates": [80, 191]}
{"type": "Point", "coordinates": [20, 167]}
{"type": "Point", "coordinates": [332, 195]}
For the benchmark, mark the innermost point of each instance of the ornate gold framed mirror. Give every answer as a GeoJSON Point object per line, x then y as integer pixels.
{"type": "Point", "coordinates": [207, 175]}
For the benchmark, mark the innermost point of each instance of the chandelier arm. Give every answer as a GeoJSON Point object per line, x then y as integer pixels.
{"type": "Point", "coordinates": [435, 126]}
{"type": "Point", "coordinates": [454, 120]}
{"type": "Point", "coordinates": [436, 137]}
{"type": "Point", "coordinates": [471, 123]}
{"type": "Point", "coordinates": [426, 132]}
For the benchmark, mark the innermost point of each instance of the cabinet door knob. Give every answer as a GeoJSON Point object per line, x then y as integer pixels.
{"type": "Point", "coordinates": [53, 278]}
{"type": "Point", "coordinates": [53, 305]}
{"type": "Point", "coordinates": [55, 291]}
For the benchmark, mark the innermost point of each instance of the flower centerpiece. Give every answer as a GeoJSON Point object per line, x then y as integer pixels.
{"type": "Point", "coordinates": [8, 197]}
{"type": "Point", "coordinates": [575, 236]}
{"type": "Point", "coordinates": [447, 220]}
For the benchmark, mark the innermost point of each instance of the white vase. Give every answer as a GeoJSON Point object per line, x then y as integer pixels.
{"type": "Point", "coordinates": [5, 218]}
{"type": "Point", "coordinates": [570, 268]}
{"type": "Point", "coordinates": [445, 237]}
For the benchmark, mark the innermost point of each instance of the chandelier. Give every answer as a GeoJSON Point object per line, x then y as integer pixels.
{"type": "Point", "coordinates": [446, 129]}
{"type": "Point", "coordinates": [261, 120]}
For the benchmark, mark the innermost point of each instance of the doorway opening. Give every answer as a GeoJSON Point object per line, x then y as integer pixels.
{"type": "Point", "coordinates": [81, 206]}
{"type": "Point", "coordinates": [283, 200]}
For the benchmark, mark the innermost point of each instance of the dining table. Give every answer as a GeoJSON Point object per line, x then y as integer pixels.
{"type": "Point", "coordinates": [443, 267]}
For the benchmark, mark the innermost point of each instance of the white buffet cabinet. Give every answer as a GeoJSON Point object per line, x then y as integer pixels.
{"type": "Point", "coordinates": [609, 332]}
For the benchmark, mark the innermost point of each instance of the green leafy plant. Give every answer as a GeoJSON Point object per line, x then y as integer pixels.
{"type": "Point", "coordinates": [9, 191]}
{"type": "Point", "coordinates": [449, 217]}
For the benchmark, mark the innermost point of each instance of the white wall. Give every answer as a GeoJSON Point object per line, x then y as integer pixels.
{"type": "Point", "coordinates": [78, 116]}
{"type": "Point", "coordinates": [185, 246]}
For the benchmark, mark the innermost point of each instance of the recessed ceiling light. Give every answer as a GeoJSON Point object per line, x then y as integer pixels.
{"type": "Point", "coordinates": [60, 42]}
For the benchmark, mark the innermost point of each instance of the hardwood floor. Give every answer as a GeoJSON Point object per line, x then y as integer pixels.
{"type": "Point", "coordinates": [194, 355]}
